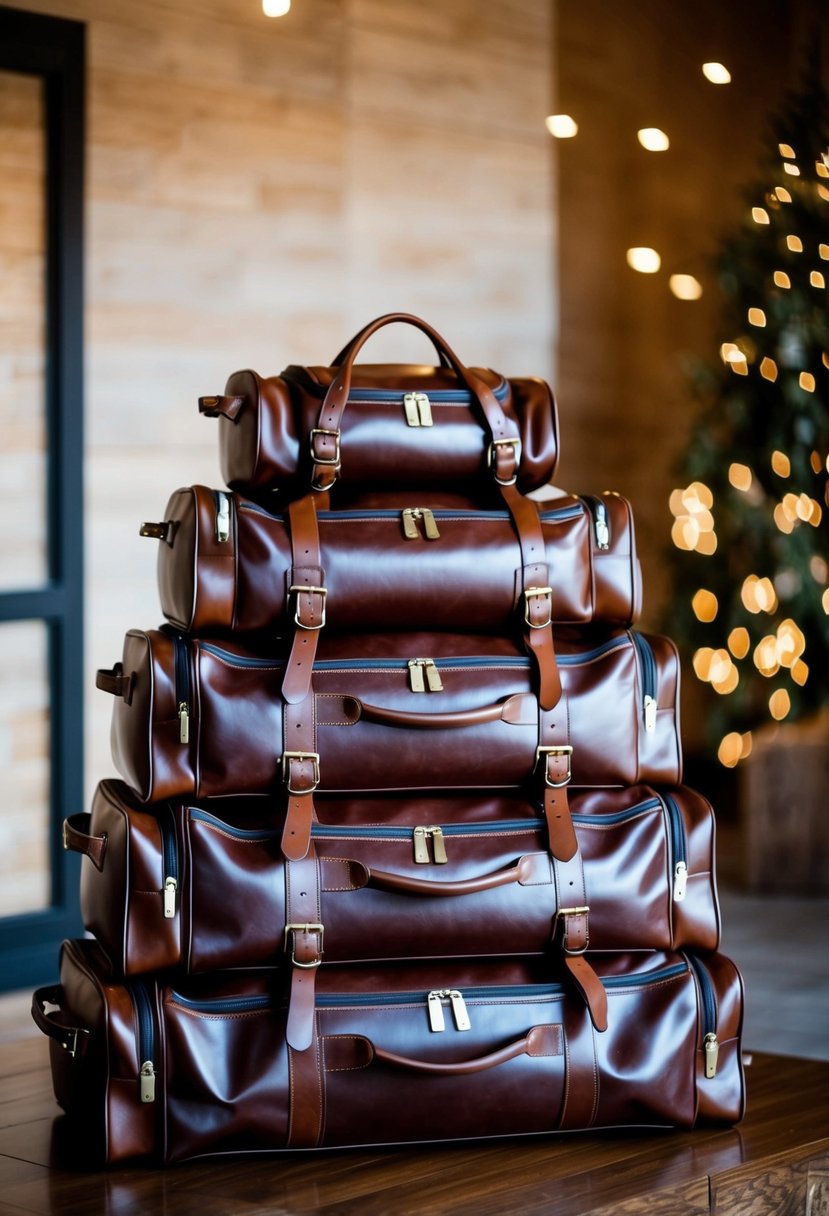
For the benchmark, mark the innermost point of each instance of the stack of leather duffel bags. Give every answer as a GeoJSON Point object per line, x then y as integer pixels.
{"type": "Point", "coordinates": [400, 853]}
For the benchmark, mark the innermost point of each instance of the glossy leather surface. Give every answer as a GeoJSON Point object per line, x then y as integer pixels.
{"type": "Point", "coordinates": [374, 734]}
{"type": "Point", "coordinates": [497, 892]}
{"type": "Point", "coordinates": [377, 1074]}
{"type": "Point", "coordinates": [469, 578]}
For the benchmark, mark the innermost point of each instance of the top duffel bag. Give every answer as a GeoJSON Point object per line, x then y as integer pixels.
{"type": "Point", "coordinates": [384, 425]}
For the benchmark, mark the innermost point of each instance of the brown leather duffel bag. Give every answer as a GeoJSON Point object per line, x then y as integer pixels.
{"type": "Point", "coordinates": [204, 887]}
{"type": "Point", "coordinates": [384, 425]}
{"type": "Point", "coordinates": [390, 712]}
{"type": "Point", "coordinates": [225, 563]}
{"type": "Point", "coordinates": [401, 1053]}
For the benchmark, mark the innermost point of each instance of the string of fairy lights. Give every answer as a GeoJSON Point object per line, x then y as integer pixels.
{"type": "Point", "coordinates": [692, 507]}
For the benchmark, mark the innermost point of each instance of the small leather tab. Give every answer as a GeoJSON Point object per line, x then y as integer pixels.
{"type": "Point", "coordinates": [590, 988]}
{"type": "Point", "coordinates": [113, 681]}
{"type": "Point", "coordinates": [157, 531]}
{"type": "Point", "coordinates": [545, 1041]}
{"type": "Point", "coordinates": [219, 406]}
{"type": "Point", "coordinates": [346, 1052]}
{"type": "Point", "coordinates": [77, 838]}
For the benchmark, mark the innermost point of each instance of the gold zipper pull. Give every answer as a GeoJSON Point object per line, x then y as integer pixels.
{"type": "Point", "coordinates": [410, 407]}
{"type": "Point", "coordinates": [680, 880]}
{"type": "Point", "coordinates": [436, 1019]}
{"type": "Point", "coordinates": [170, 888]}
{"type": "Point", "coordinates": [459, 1010]}
{"type": "Point", "coordinates": [429, 524]}
{"type": "Point", "coordinates": [409, 526]}
{"type": "Point", "coordinates": [424, 409]}
{"type": "Point", "coordinates": [712, 1050]}
{"type": "Point", "coordinates": [222, 516]}
{"type": "Point", "coordinates": [421, 849]}
{"type": "Point", "coordinates": [183, 722]}
{"type": "Point", "coordinates": [650, 713]}
{"type": "Point", "coordinates": [438, 845]}
{"type": "Point", "coordinates": [416, 675]}
{"type": "Point", "coordinates": [432, 675]}
{"type": "Point", "coordinates": [146, 1081]}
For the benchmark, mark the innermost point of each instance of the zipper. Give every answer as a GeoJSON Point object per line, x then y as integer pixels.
{"type": "Point", "coordinates": [708, 998]}
{"type": "Point", "coordinates": [601, 525]}
{"type": "Point", "coordinates": [679, 848]}
{"type": "Point", "coordinates": [145, 1040]}
{"type": "Point", "coordinates": [420, 836]}
{"type": "Point", "coordinates": [418, 668]}
{"type": "Point", "coordinates": [222, 515]}
{"type": "Point", "coordinates": [182, 676]}
{"type": "Point", "coordinates": [556, 515]}
{"type": "Point", "coordinates": [434, 1005]}
{"type": "Point", "coordinates": [418, 409]}
{"type": "Point", "coordinates": [170, 860]}
{"type": "Point", "coordinates": [443, 396]}
{"type": "Point", "coordinates": [410, 518]}
{"type": "Point", "coordinates": [647, 664]}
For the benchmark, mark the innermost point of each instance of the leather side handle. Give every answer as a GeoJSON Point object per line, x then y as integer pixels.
{"type": "Point", "coordinates": [113, 681]}
{"type": "Point", "coordinates": [342, 1052]}
{"type": "Point", "coordinates": [525, 870]}
{"type": "Point", "coordinates": [73, 1039]}
{"type": "Point", "coordinates": [221, 407]}
{"type": "Point", "coordinates": [517, 710]}
{"type": "Point", "coordinates": [77, 838]}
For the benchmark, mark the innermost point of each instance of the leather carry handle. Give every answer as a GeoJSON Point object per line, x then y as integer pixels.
{"type": "Point", "coordinates": [325, 437]}
{"type": "Point", "coordinates": [357, 1051]}
{"type": "Point", "coordinates": [342, 354]}
{"type": "Point", "coordinates": [73, 1039]}
{"type": "Point", "coordinates": [113, 681]}
{"type": "Point", "coordinates": [77, 838]}
{"type": "Point", "coordinates": [521, 872]}
{"type": "Point", "coordinates": [517, 710]}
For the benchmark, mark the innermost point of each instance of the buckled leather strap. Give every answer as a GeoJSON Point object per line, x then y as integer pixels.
{"type": "Point", "coordinates": [553, 768]}
{"type": "Point", "coordinates": [306, 1097]}
{"type": "Point", "coordinates": [301, 774]}
{"type": "Point", "coordinates": [572, 934]}
{"type": "Point", "coordinates": [581, 1070]}
{"type": "Point", "coordinates": [304, 946]}
{"type": "Point", "coordinates": [306, 598]}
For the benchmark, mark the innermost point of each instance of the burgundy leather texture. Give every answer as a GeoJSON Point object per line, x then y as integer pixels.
{"type": "Point", "coordinates": [265, 446]}
{"type": "Point", "coordinates": [373, 733]}
{"type": "Point", "coordinates": [527, 1063]}
{"type": "Point", "coordinates": [236, 578]}
{"type": "Point", "coordinates": [218, 870]}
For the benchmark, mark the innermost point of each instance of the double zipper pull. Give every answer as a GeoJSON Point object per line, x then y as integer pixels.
{"type": "Point", "coordinates": [410, 529]}
{"type": "Point", "coordinates": [420, 837]}
{"type": "Point", "coordinates": [418, 409]}
{"type": "Point", "coordinates": [420, 668]}
{"type": "Point", "coordinates": [459, 1011]}
{"type": "Point", "coordinates": [222, 516]}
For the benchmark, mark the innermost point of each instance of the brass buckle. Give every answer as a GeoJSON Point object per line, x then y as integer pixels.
{"type": "Point", "coordinates": [297, 589]}
{"type": "Point", "coordinates": [286, 773]}
{"type": "Point", "coordinates": [562, 915]}
{"type": "Point", "coordinates": [334, 460]}
{"type": "Point", "coordinates": [490, 458]}
{"type": "Point", "coordinates": [533, 591]}
{"type": "Point", "coordinates": [308, 928]}
{"type": "Point", "coordinates": [562, 749]}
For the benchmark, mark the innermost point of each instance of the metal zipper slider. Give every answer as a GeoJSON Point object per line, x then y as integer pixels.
{"type": "Point", "coordinates": [409, 526]}
{"type": "Point", "coordinates": [146, 1080]}
{"type": "Point", "coordinates": [416, 675]}
{"type": "Point", "coordinates": [183, 722]}
{"type": "Point", "coordinates": [650, 712]}
{"type": "Point", "coordinates": [459, 1010]}
{"type": "Point", "coordinates": [438, 845]}
{"type": "Point", "coordinates": [432, 675]}
{"type": "Point", "coordinates": [170, 888]}
{"type": "Point", "coordinates": [421, 851]}
{"type": "Point", "coordinates": [680, 881]}
{"type": "Point", "coordinates": [418, 409]}
{"type": "Point", "coordinates": [601, 528]}
{"type": "Point", "coordinates": [436, 1019]}
{"type": "Point", "coordinates": [429, 525]}
{"type": "Point", "coordinates": [222, 516]}
{"type": "Point", "coordinates": [712, 1050]}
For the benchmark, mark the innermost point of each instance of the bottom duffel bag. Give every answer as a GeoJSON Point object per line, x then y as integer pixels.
{"type": "Point", "coordinates": [402, 1053]}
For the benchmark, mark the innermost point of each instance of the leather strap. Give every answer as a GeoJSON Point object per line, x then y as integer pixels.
{"type": "Point", "coordinates": [73, 1039]}
{"type": "Point", "coordinates": [225, 407]}
{"type": "Point", "coordinates": [581, 1070]}
{"type": "Point", "coordinates": [300, 772]}
{"type": "Point", "coordinates": [306, 596]}
{"type": "Point", "coordinates": [304, 946]}
{"type": "Point", "coordinates": [572, 933]}
{"type": "Point", "coordinates": [306, 1097]}
{"type": "Point", "coordinates": [76, 837]}
{"type": "Point", "coordinates": [113, 681]}
{"type": "Point", "coordinates": [553, 767]}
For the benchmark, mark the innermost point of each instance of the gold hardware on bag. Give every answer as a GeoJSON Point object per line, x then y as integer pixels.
{"type": "Point", "coordinates": [287, 757]}
{"type": "Point", "coordinates": [680, 880]}
{"type": "Point", "coordinates": [410, 530]}
{"type": "Point", "coordinates": [183, 722]}
{"type": "Point", "coordinates": [418, 409]}
{"type": "Point", "coordinates": [311, 927]}
{"type": "Point", "coordinates": [421, 836]}
{"type": "Point", "coordinates": [650, 713]}
{"type": "Point", "coordinates": [601, 529]}
{"type": "Point", "coordinates": [170, 888]}
{"type": "Point", "coordinates": [222, 516]}
{"type": "Point", "coordinates": [712, 1050]}
{"type": "Point", "coordinates": [564, 749]}
{"type": "Point", "coordinates": [459, 1011]}
{"type": "Point", "coordinates": [418, 668]}
{"type": "Point", "coordinates": [297, 589]}
{"type": "Point", "coordinates": [156, 531]}
{"type": "Point", "coordinates": [532, 593]}
{"type": "Point", "coordinates": [492, 459]}
{"type": "Point", "coordinates": [146, 1079]}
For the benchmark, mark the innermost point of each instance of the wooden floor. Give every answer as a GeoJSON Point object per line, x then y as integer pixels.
{"type": "Point", "coordinates": [765, 1167]}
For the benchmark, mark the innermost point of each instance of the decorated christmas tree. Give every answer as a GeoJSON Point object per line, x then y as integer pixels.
{"type": "Point", "coordinates": [751, 528]}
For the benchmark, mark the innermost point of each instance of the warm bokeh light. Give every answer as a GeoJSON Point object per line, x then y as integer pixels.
{"type": "Point", "coordinates": [702, 662]}
{"type": "Point", "coordinates": [768, 369]}
{"type": "Point", "coordinates": [739, 642]}
{"type": "Point", "coordinates": [781, 464]}
{"type": "Point", "coordinates": [644, 259]}
{"type": "Point", "coordinates": [784, 522]}
{"type": "Point", "coordinates": [760, 215]}
{"type": "Point", "coordinates": [823, 250]}
{"type": "Point", "coordinates": [685, 286]}
{"type": "Point", "coordinates": [697, 497]}
{"type": "Point", "coordinates": [653, 139]}
{"type": "Point", "coordinates": [562, 126]}
{"type": "Point", "coordinates": [740, 476]}
{"type": "Point", "coordinates": [756, 316]}
{"type": "Point", "coordinates": [794, 243]}
{"type": "Point", "coordinates": [824, 600]}
{"type": "Point", "coordinates": [782, 195]}
{"type": "Point", "coordinates": [781, 279]}
{"type": "Point", "coordinates": [758, 594]}
{"type": "Point", "coordinates": [800, 672]}
{"type": "Point", "coordinates": [705, 605]}
{"type": "Point", "coordinates": [818, 568]}
{"type": "Point", "coordinates": [730, 749]}
{"type": "Point", "coordinates": [817, 279]}
{"type": "Point", "coordinates": [721, 667]}
{"type": "Point", "coordinates": [276, 8]}
{"type": "Point", "coordinates": [765, 656]}
{"type": "Point", "coordinates": [791, 642]}
{"type": "Point", "coordinates": [727, 685]}
{"type": "Point", "coordinates": [786, 150]}
{"type": "Point", "coordinates": [792, 170]}
{"type": "Point", "coordinates": [779, 704]}
{"type": "Point", "coordinates": [807, 382]}
{"type": "Point", "coordinates": [716, 73]}
{"type": "Point", "coordinates": [707, 544]}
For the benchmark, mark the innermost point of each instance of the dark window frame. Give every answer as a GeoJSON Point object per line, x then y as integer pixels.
{"type": "Point", "coordinates": [54, 50]}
